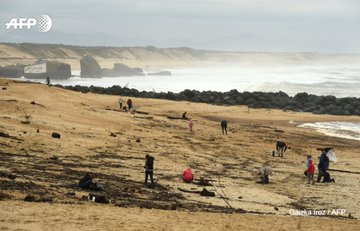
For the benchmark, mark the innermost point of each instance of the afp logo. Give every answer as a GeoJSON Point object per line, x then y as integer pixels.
{"type": "Point", "coordinates": [42, 23]}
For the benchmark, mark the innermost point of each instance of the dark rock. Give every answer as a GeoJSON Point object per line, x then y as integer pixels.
{"type": "Point", "coordinates": [4, 88]}
{"type": "Point", "coordinates": [7, 175]}
{"type": "Point", "coordinates": [90, 68]}
{"type": "Point", "coordinates": [280, 100]}
{"type": "Point", "coordinates": [98, 198]}
{"type": "Point", "coordinates": [122, 70]}
{"type": "Point", "coordinates": [206, 193]}
{"type": "Point", "coordinates": [138, 140]}
{"type": "Point", "coordinates": [70, 194]}
{"type": "Point", "coordinates": [30, 198]}
{"type": "Point", "coordinates": [14, 71]}
{"type": "Point", "coordinates": [55, 135]}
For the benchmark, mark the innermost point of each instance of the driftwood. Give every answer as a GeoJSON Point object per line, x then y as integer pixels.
{"type": "Point", "coordinates": [324, 149]}
{"type": "Point", "coordinates": [203, 182]}
{"type": "Point", "coordinates": [5, 135]}
{"type": "Point", "coordinates": [345, 171]}
{"type": "Point", "coordinates": [204, 192]}
{"type": "Point", "coordinates": [34, 103]}
{"type": "Point", "coordinates": [142, 112]}
{"type": "Point", "coordinates": [174, 117]}
{"type": "Point", "coordinates": [144, 117]}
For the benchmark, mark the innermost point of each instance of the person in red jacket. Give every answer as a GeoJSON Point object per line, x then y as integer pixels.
{"type": "Point", "coordinates": [187, 175]}
{"type": "Point", "coordinates": [310, 169]}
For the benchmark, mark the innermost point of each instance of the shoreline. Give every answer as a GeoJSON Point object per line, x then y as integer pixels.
{"type": "Point", "coordinates": [301, 102]}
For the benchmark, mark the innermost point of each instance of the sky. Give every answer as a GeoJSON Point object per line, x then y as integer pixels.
{"type": "Point", "coordinates": [327, 26]}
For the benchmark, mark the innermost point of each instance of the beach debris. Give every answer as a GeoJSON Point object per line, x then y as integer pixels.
{"type": "Point", "coordinates": [174, 117]}
{"type": "Point", "coordinates": [276, 208]}
{"type": "Point", "coordinates": [37, 130]}
{"type": "Point", "coordinates": [70, 194]}
{"type": "Point", "coordinates": [27, 118]}
{"type": "Point", "coordinates": [5, 135]}
{"type": "Point", "coordinates": [98, 198]}
{"type": "Point", "coordinates": [34, 103]}
{"type": "Point", "coordinates": [112, 134]}
{"type": "Point", "coordinates": [278, 130]}
{"type": "Point", "coordinates": [138, 140]}
{"type": "Point", "coordinates": [4, 196]}
{"type": "Point", "coordinates": [203, 182]}
{"type": "Point", "coordinates": [7, 175]}
{"type": "Point", "coordinates": [30, 198]}
{"type": "Point", "coordinates": [4, 88]}
{"type": "Point", "coordinates": [204, 192]}
{"type": "Point", "coordinates": [54, 158]}
{"type": "Point", "coordinates": [142, 112]}
{"type": "Point", "coordinates": [55, 135]}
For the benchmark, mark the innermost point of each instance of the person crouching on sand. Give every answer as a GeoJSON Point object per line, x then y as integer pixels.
{"type": "Point", "coordinates": [191, 125]}
{"type": "Point", "coordinates": [149, 169]}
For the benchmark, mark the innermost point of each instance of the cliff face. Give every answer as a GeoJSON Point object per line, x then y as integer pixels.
{"type": "Point", "coordinates": [27, 52]}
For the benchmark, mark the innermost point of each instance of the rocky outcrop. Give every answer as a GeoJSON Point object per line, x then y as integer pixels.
{"type": "Point", "coordinates": [301, 102]}
{"type": "Point", "coordinates": [162, 73]}
{"type": "Point", "coordinates": [41, 69]}
{"type": "Point", "coordinates": [90, 68]}
{"type": "Point", "coordinates": [13, 71]}
{"type": "Point", "coordinates": [121, 69]}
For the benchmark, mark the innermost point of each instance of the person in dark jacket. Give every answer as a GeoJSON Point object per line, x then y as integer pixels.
{"type": "Point", "coordinates": [281, 148]}
{"type": "Point", "coordinates": [87, 183]}
{"type": "Point", "coordinates": [224, 127]}
{"type": "Point", "coordinates": [323, 165]}
{"type": "Point", "coordinates": [149, 169]}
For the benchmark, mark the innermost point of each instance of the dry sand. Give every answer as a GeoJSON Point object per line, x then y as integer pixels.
{"type": "Point", "coordinates": [50, 168]}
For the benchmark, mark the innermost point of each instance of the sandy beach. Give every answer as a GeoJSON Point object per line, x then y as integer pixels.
{"type": "Point", "coordinates": [96, 137]}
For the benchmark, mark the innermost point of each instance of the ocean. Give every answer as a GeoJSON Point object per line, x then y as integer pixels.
{"type": "Point", "coordinates": [337, 80]}
{"type": "Point", "coordinates": [340, 81]}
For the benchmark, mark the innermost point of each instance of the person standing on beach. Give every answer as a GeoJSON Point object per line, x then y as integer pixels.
{"type": "Point", "coordinates": [129, 104]}
{"type": "Point", "coordinates": [121, 101]}
{"type": "Point", "coordinates": [310, 169]}
{"type": "Point", "coordinates": [281, 148]}
{"type": "Point", "coordinates": [191, 125]}
{"type": "Point", "coordinates": [149, 169]}
{"type": "Point", "coordinates": [47, 82]}
{"type": "Point", "coordinates": [224, 127]}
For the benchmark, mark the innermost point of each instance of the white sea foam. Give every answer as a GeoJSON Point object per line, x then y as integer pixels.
{"type": "Point", "coordinates": [341, 80]}
{"type": "Point", "coordinates": [347, 130]}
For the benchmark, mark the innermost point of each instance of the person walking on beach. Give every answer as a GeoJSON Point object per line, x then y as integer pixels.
{"type": "Point", "coordinates": [149, 169]}
{"type": "Point", "coordinates": [310, 169]}
{"type": "Point", "coordinates": [47, 82]}
{"type": "Point", "coordinates": [121, 102]}
{"type": "Point", "coordinates": [224, 127]}
{"type": "Point", "coordinates": [191, 125]}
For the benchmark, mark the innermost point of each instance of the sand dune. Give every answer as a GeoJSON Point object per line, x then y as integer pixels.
{"type": "Point", "coordinates": [50, 168]}
{"type": "Point", "coordinates": [152, 58]}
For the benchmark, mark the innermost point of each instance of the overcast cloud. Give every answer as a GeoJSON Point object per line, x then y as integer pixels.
{"type": "Point", "coordinates": [247, 25]}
